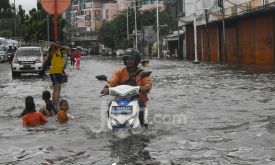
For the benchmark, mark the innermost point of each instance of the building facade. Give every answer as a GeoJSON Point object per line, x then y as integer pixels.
{"type": "Point", "coordinates": [247, 37]}
{"type": "Point", "coordinates": [87, 16]}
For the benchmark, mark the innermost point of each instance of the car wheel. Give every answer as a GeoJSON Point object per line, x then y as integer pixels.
{"type": "Point", "coordinates": [14, 74]}
{"type": "Point", "coordinates": [41, 74]}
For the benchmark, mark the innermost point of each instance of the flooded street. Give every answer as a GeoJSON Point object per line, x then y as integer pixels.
{"type": "Point", "coordinates": [199, 114]}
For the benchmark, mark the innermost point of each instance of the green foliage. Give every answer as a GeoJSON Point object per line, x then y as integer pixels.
{"type": "Point", "coordinates": [113, 34]}
{"type": "Point", "coordinates": [6, 9]}
{"type": "Point", "coordinates": [32, 26]}
{"type": "Point", "coordinates": [6, 33]}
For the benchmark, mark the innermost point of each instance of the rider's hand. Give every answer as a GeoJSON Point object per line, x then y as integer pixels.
{"type": "Point", "coordinates": [105, 91]}
{"type": "Point", "coordinates": [143, 89]}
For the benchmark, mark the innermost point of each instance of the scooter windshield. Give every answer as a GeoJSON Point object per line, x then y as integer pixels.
{"type": "Point", "coordinates": [124, 91]}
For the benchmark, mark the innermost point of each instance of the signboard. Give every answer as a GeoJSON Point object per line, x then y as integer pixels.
{"type": "Point", "coordinates": [80, 18]}
{"type": "Point", "coordinates": [149, 34]}
{"type": "Point", "coordinates": [88, 5]}
{"type": "Point", "coordinates": [60, 5]}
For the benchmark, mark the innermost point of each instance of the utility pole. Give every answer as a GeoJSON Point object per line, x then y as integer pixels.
{"type": "Point", "coordinates": [48, 27]}
{"type": "Point", "coordinates": [136, 45]}
{"type": "Point", "coordinates": [178, 13]}
{"type": "Point", "coordinates": [158, 28]}
{"type": "Point", "coordinates": [14, 19]}
{"type": "Point", "coordinates": [196, 61]}
{"type": "Point", "coordinates": [207, 33]}
{"type": "Point", "coordinates": [127, 25]}
{"type": "Point", "coordinates": [221, 5]}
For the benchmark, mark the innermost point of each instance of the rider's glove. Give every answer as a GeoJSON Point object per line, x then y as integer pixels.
{"type": "Point", "coordinates": [105, 91]}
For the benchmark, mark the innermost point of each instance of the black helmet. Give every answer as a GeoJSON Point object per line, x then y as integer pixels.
{"type": "Point", "coordinates": [131, 52]}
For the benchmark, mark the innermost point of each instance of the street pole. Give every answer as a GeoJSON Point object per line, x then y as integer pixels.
{"type": "Point", "coordinates": [207, 33]}
{"type": "Point", "coordinates": [136, 45]}
{"type": "Point", "coordinates": [127, 25]}
{"type": "Point", "coordinates": [48, 27]}
{"type": "Point", "coordinates": [158, 29]}
{"type": "Point", "coordinates": [224, 39]}
{"type": "Point", "coordinates": [178, 52]}
{"type": "Point", "coordinates": [55, 21]}
{"type": "Point", "coordinates": [195, 36]}
{"type": "Point", "coordinates": [14, 19]}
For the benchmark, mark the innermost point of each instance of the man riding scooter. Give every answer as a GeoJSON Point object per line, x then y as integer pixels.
{"type": "Point", "coordinates": [131, 75]}
{"type": "Point", "coordinates": [10, 53]}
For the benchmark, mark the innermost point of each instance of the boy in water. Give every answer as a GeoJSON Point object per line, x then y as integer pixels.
{"type": "Point", "coordinates": [29, 116]}
{"type": "Point", "coordinates": [49, 109]}
{"type": "Point", "coordinates": [62, 116]}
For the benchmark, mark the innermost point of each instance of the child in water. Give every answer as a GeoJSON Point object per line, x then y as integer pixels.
{"type": "Point", "coordinates": [49, 109]}
{"type": "Point", "coordinates": [62, 116]}
{"type": "Point", "coordinates": [30, 117]}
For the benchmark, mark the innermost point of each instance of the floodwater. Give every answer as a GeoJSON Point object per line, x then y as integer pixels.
{"type": "Point", "coordinates": [199, 114]}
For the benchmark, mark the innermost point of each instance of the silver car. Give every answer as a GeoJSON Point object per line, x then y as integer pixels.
{"type": "Point", "coordinates": [3, 54]}
{"type": "Point", "coordinates": [27, 60]}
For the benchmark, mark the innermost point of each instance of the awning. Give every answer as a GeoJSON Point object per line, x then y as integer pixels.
{"type": "Point", "coordinates": [174, 36]}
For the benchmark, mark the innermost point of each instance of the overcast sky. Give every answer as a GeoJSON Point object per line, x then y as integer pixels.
{"type": "Point", "coordinates": [26, 4]}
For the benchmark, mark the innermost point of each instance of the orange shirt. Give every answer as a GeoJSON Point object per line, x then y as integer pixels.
{"type": "Point", "coordinates": [33, 119]}
{"type": "Point", "coordinates": [121, 76]}
{"type": "Point", "coordinates": [62, 116]}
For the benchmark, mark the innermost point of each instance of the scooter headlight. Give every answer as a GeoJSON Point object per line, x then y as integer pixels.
{"type": "Point", "coordinates": [114, 122]}
{"type": "Point", "coordinates": [129, 122]}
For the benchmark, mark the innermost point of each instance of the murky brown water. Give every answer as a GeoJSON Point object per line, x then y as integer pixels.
{"type": "Point", "coordinates": [200, 114]}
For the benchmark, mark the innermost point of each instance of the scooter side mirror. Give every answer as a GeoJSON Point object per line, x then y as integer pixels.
{"type": "Point", "coordinates": [101, 78]}
{"type": "Point", "coordinates": [145, 74]}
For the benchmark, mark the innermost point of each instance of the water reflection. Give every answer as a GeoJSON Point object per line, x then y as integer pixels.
{"type": "Point", "coordinates": [131, 150]}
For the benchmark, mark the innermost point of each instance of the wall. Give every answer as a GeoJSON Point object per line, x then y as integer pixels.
{"type": "Point", "coordinates": [249, 40]}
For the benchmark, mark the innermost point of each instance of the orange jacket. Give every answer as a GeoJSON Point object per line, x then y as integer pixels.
{"type": "Point", "coordinates": [121, 76]}
{"type": "Point", "coordinates": [62, 116]}
{"type": "Point", "coordinates": [33, 119]}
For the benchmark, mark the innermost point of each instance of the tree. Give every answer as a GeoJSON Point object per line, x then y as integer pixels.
{"type": "Point", "coordinates": [35, 25]}
{"type": "Point", "coordinates": [6, 33]}
{"type": "Point", "coordinates": [21, 14]}
{"type": "Point", "coordinates": [5, 9]}
{"type": "Point", "coordinates": [113, 34]}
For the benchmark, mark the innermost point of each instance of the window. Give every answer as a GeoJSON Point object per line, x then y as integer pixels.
{"type": "Point", "coordinates": [28, 52]}
{"type": "Point", "coordinates": [97, 14]}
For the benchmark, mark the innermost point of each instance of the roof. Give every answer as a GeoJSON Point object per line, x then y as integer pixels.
{"type": "Point", "coordinates": [174, 36]}
{"type": "Point", "coordinates": [29, 47]}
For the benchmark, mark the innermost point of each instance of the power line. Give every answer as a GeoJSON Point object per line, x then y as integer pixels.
{"type": "Point", "coordinates": [239, 6]}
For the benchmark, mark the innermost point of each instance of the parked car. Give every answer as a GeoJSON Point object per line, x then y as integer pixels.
{"type": "Point", "coordinates": [105, 52]}
{"type": "Point", "coordinates": [3, 54]}
{"type": "Point", "coordinates": [94, 51]}
{"type": "Point", "coordinates": [27, 60]}
{"type": "Point", "coordinates": [119, 52]}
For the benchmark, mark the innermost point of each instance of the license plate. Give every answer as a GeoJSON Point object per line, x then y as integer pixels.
{"type": "Point", "coordinates": [122, 110]}
{"type": "Point", "coordinates": [27, 66]}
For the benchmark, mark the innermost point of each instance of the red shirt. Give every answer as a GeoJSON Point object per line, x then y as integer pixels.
{"type": "Point", "coordinates": [78, 54]}
{"type": "Point", "coordinates": [72, 55]}
{"type": "Point", "coordinates": [33, 119]}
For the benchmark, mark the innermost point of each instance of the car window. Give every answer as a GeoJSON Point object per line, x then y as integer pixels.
{"type": "Point", "coordinates": [28, 52]}
{"type": "Point", "coordinates": [2, 48]}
